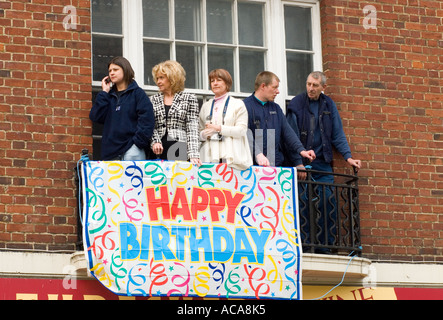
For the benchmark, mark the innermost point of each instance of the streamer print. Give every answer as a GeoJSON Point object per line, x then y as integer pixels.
{"type": "Point", "coordinates": [171, 229]}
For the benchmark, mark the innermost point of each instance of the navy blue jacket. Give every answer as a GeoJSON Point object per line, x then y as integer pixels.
{"type": "Point", "coordinates": [262, 119]}
{"type": "Point", "coordinates": [128, 119]}
{"type": "Point", "coordinates": [329, 129]}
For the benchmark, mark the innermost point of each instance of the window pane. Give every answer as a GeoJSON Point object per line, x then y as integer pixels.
{"type": "Point", "coordinates": [156, 18]}
{"type": "Point", "coordinates": [221, 58]}
{"type": "Point", "coordinates": [219, 20]}
{"type": "Point", "coordinates": [298, 28]}
{"type": "Point", "coordinates": [154, 53]}
{"type": "Point", "coordinates": [187, 20]}
{"type": "Point", "coordinates": [107, 16]}
{"type": "Point", "coordinates": [190, 58]}
{"type": "Point", "coordinates": [299, 65]}
{"type": "Point", "coordinates": [250, 24]}
{"type": "Point", "coordinates": [103, 50]}
{"type": "Point", "coordinates": [251, 64]}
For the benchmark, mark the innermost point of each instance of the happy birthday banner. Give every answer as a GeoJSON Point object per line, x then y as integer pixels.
{"type": "Point", "coordinates": [160, 228]}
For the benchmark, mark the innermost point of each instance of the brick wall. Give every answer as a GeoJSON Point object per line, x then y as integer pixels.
{"type": "Point", "coordinates": [45, 98]}
{"type": "Point", "coordinates": [387, 83]}
{"type": "Point", "coordinates": [387, 80]}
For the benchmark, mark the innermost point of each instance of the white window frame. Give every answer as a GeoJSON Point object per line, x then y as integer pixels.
{"type": "Point", "coordinates": [278, 63]}
{"type": "Point", "coordinates": [274, 43]}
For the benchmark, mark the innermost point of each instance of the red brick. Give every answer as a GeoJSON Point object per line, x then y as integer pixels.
{"type": "Point", "coordinates": [386, 83]}
{"type": "Point", "coordinates": [398, 59]}
{"type": "Point", "coordinates": [32, 55]}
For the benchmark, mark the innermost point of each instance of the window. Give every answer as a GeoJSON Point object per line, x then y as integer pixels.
{"type": "Point", "coordinates": [107, 35]}
{"type": "Point", "coordinates": [242, 36]}
{"type": "Point", "coordinates": [299, 46]}
{"type": "Point", "coordinates": [204, 35]}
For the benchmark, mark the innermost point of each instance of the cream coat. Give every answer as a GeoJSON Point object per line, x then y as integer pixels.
{"type": "Point", "coordinates": [234, 148]}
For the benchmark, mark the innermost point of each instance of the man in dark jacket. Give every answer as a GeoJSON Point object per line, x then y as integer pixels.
{"type": "Point", "coordinates": [315, 119]}
{"type": "Point", "coordinates": [268, 127]}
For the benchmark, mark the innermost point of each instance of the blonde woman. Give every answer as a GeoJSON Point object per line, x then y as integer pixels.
{"type": "Point", "coordinates": [176, 113]}
{"type": "Point", "coordinates": [223, 125]}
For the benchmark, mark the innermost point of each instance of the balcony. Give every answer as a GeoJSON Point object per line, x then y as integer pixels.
{"type": "Point", "coordinates": [339, 233]}
{"type": "Point", "coordinates": [329, 223]}
{"type": "Point", "coordinates": [329, 213]}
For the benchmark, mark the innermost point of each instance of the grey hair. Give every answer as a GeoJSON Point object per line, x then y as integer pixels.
{"type": "Point", "coordinates": [319, 75]}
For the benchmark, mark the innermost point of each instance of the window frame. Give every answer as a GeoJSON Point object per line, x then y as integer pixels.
{"type": "Point", "coordinates": [317, 60]}
{"type": "Point", "coordinates": [274, 45]}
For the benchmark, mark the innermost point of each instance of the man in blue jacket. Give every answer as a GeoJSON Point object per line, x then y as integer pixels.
{"type": "Point", "coordinates": [269, 130]}
{"type": "Point", "coordinates": [315, 119]}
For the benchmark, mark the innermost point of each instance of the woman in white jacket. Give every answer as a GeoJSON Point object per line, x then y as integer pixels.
{"type": "Point", "coordinates": [223, 125]}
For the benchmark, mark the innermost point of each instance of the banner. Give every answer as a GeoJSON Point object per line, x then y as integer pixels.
{"type": "Point", "coordinates": [160, 228]}
{"type": "Point", "coordinates": [79, 289]}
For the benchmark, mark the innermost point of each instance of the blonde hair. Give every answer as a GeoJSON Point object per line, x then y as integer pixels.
{"type": "Point", "coordinates": [174, 72]}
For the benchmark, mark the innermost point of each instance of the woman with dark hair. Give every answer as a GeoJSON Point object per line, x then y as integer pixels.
{"type": "Point", "coordinates": [224, 125]}
{"type": "Point", "coordinates": [126, 112]}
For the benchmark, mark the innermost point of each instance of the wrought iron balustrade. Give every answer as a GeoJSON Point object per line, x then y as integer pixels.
{"type": "Point", "coordinates": [329, 213]}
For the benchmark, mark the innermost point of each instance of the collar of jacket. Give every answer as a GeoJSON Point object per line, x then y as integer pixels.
{"type": "Point", "coordinates": [133, 85]}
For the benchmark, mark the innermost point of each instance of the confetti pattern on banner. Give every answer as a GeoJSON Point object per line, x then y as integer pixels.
{"type": "Point", "coordinates": [160, 228]}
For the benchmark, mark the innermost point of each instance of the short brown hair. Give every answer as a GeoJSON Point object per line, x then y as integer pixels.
{"type": "Point", "coordinates": [222, 74]}
{"type": "Point", "coordinates": [123, 63]}
{"type": "Point", "coordinates": [265, 77]}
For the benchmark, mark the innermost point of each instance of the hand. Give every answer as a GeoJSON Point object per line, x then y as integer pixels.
{"type": "Point", "coordinates": [106, 84]}
{"type": "Point", "coordinates": [308, 155]}
{"type": "Point", "coordinates": [207, 133]}
{"type": "Point", "coordinates": [157, 148]}
{"type": "Point", "coordinates": [215, 127]}
{"type": "Point", "coordinates": [196, 162]}
{"type": "Point", "coordinates": [355, 163]}
{"type": "Point", "coordinates": [301, 174]}
{"type": "Point", "coordinates": [262, 160]}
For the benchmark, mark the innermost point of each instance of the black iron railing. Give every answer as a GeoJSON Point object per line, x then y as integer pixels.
{"type": "Point", "coordinates": [329, 213]}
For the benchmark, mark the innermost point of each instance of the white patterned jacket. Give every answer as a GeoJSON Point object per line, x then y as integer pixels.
{"type": "Point", "coordinates": [182, 121]}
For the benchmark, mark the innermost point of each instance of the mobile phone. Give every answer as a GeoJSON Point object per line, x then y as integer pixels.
{"type": "Point", "coordinates": [107, 80]}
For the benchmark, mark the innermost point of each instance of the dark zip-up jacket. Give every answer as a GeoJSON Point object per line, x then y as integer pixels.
{"type": "Point", "coordinates": [128, 119]}
{"type": "Point", "coordinates": [304, 122]}
{"type": "Point", "coordinates": [264, 122]}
